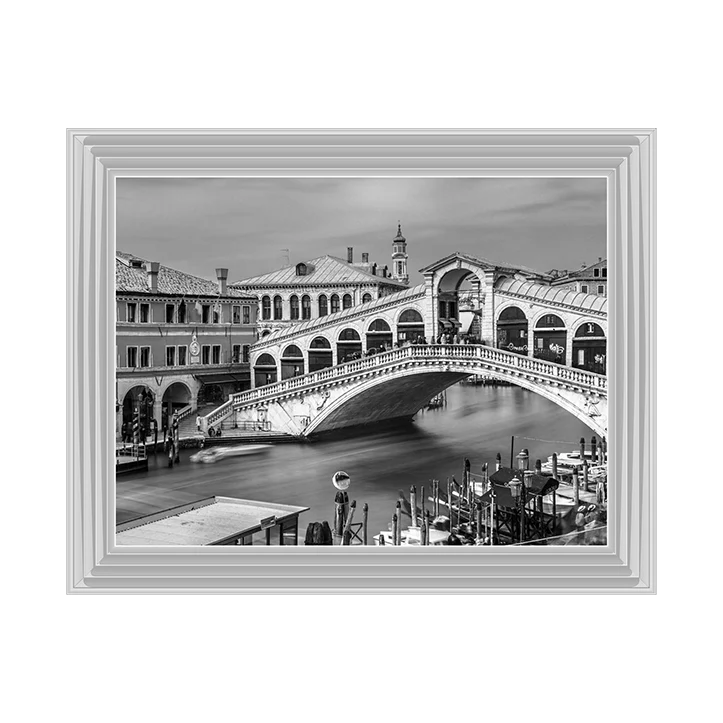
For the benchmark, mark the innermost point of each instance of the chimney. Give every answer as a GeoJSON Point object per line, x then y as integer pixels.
{"type": "Point", "coordinates": [374, 269]}
{"type": "Point", "coordinates": [365, 258]}
{"type": "Point", "coordinates": [599, 259]}
{"type": "Point", "coordinates": [350, 254]}
{"type": "Point", "coordinates": [152, 269]}
{"type": "Point", "coordinates": [386, 270]}
{"type": "Point", "coordinates": [222, 275]}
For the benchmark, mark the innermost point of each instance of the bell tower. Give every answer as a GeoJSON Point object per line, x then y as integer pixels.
{"type": "Point", "coordinates": [399, 257]}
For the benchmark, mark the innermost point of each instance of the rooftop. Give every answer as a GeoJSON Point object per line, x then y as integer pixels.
{"type": "Point", "coordinates": [131, 276]}
{"type": "Point", "coordinates": [478, 261]}
{"type": "Point", "coordinates": [324, 270]}
{"type": "Point", "coordinates": [553, 294]}
{"type": "Point", "coordinates": [206, 522]}
{"type": "Point", "coordinates": [362, 309]}
{"type": "Point", "coordinates": [586, 272]}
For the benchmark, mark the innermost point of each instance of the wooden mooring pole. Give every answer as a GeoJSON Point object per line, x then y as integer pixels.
{"type": "Point", "coordinates": [365, 517]}
{"type": "Point", "coordinates": [346, 533]}
{"type": "Point", "coordinates": [413, 505]}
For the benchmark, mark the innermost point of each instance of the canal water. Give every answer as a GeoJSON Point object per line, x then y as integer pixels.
{"type": "Point", "coordinates": [477, 422]}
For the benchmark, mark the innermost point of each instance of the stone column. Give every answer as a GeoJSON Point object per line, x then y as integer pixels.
{"type": "Point", "coordinates": [487, 297]}
{"type": "Point", "coordinates": [157, 409]}
{"type": "Point", "coordinates": [119, 422]}
{"type": "Point", "coordinates": [568, 344]}
{"type": "Point", "coordinates": [430, 307]}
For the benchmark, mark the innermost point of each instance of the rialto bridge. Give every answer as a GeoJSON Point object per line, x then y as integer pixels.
{"type": "Point", "coordinates": [387, 358]}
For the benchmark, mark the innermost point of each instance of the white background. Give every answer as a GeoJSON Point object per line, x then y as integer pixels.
{"type": "Point", "coordinates": [387, 64]}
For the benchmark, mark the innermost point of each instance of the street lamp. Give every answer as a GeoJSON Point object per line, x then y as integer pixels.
{"type": "Point", "coordinates": [523, 461]}
{"type": "Point", "coordinates": [519, 494]}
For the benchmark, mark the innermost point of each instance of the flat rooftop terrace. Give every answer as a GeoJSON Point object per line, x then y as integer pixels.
{"type": "Point", "coordinates": [210, 521]}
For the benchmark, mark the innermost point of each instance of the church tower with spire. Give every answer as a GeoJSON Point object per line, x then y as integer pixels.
{"type": "Point", "coordinates": [399, 257]}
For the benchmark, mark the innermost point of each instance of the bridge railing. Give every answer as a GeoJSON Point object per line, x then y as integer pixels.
{"type": "Point", "coordinates": [505, 360]}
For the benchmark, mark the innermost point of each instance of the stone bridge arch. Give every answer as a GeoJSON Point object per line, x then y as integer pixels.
{"type": "Point", "coordinates": [402, 393]}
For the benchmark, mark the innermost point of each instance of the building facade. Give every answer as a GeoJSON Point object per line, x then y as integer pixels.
{"type": "Point", "coordinates": [464, 298]}
{"type": "Point", "coordinates": [181, 341]}
{"type": "Point", "coordinates": [591, 279]}
{"type": "Point", "coordinates": [317, 288]}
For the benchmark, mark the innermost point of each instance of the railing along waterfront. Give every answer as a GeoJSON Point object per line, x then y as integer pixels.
{"type": "Point", "coordinates": [489, 357]}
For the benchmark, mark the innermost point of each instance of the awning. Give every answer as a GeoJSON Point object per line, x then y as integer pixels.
{"type": "Point", "coordinates": [219, 378]}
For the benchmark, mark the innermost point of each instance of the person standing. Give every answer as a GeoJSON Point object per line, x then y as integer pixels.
{"type": "Point", "coordinates": [198, 422]}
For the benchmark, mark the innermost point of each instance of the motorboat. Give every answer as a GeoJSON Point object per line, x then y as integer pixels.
{"type": "Point", "coordinates": [214, 454]}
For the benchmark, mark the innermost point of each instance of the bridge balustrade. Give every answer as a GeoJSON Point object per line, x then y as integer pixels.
{"type": "Point", "coordinates": [454, 352]}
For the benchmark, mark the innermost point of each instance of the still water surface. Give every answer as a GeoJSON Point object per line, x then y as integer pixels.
{"type": "Point", "coordinates": [477, 423]}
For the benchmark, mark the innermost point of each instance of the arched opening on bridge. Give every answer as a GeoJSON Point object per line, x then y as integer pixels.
{"type": "Point", "coordinates": [334, 303]}
{"type": "Point", "coordinates": [278, 308]}
{"type": "Point", "coordinates": [550, 339]}
{"type": "Point", "coordinates": [366, 298]}
{"type": "Point", "coordinates": [292, 362]}
{"type": "Point", "coordinates": [457, 303]}
{"type": "Point", "coordinates": [265, 332]}
{"type": "Point", "coordinates": [306, 307]}
{"type": "Point", "coordinates": [346, 301]}
{"type": "Point", "coordinates": [323, 305]}
{"type": "Point", "coordinates": [410, 326]}
{"type": "Point", "coordinates": [138, 398]}
{"type": "Point", "coordinates": [348, 346]}
{"type": "Point", "coordinates": [589, 348]}
{"type": "Point", "coordinates": [175, 398]}
{"type": "Point", "coordinates": [379, 336]}
{"type": "Point", "coordinates": [320, 354]}
{"type": "Point", "coordinates": [513, 330]}
{"type": "Point", "coordinates": [265, 371]}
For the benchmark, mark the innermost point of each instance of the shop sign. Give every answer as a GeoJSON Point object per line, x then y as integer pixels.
{"type": "Point", "coordinates": [512, 347]}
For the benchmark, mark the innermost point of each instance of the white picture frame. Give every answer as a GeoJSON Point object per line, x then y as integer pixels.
{"type": "Point", "coordinates": [625, 157]}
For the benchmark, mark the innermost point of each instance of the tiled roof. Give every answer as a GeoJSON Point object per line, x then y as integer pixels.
{"type": "Point", "coordinates": [170, 281]}
{"type": "Point", "coordinates": [324, 270]}
{"type": "Point", "coordinates": [362, 309]}
{"type": "Point", "coordinates": [481, 262]}
{"type": "Point", "coordinates": [554, 294]}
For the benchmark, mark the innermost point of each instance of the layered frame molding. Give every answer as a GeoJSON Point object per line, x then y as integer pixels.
{"type": "Point", "coordinates": [96, 158]}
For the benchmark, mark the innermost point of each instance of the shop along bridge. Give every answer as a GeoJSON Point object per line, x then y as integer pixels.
{"type": "Point", "coordinates": [396, 384]}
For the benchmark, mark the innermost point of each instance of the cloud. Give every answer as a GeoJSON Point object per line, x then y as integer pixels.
{"type": "Point", "coordinates": [198, 224]}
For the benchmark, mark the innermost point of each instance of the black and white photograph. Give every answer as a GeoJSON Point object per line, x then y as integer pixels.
{"type": "Point", "coordinates": [371, 361]}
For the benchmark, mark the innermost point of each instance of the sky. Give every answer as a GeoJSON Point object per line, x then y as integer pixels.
{"type": "Point", "coordinates": [245, 224]}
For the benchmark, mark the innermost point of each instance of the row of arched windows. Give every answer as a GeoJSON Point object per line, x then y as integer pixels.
{"type": "Point", "coordinates": [300, 307]}
{"type": "Point", "coordinates": [589, 345]}
{"type": "Point", "coordinates": [349, 346]}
